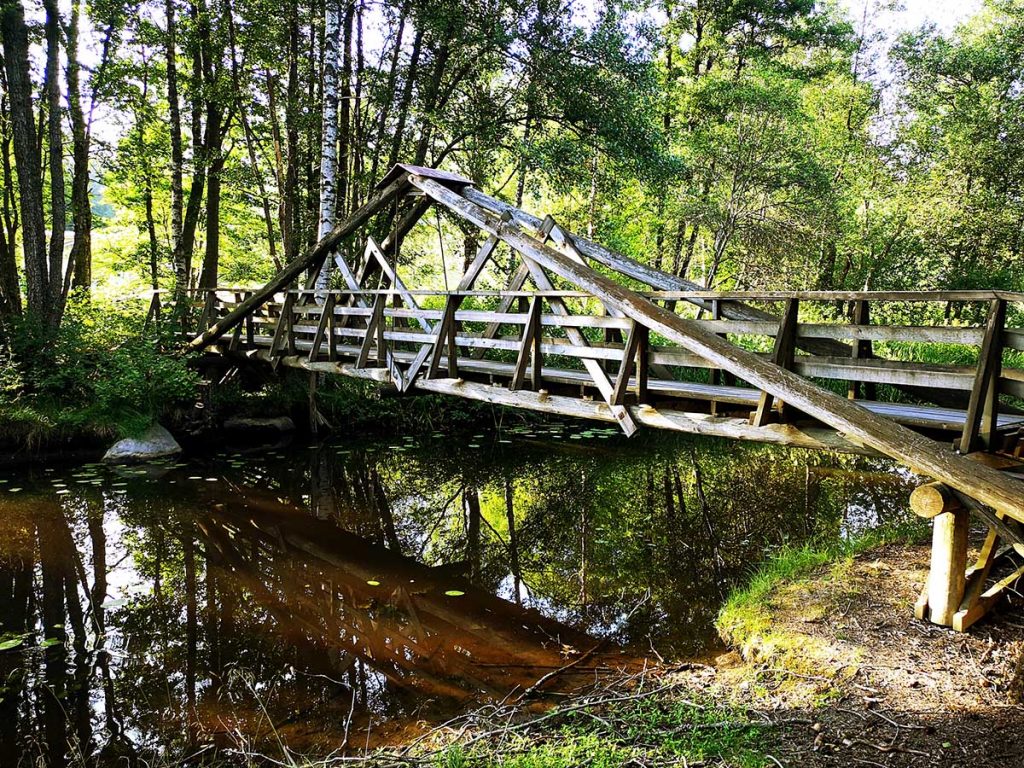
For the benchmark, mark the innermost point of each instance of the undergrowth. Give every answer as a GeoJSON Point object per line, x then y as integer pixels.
{"type": "Point", "coordinates": [99, 374]}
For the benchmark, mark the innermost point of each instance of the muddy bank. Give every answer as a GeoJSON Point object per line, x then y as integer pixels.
{"type": "Point", "coordinates": [855, 679]}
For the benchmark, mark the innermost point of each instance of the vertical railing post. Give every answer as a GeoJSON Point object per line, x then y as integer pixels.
{"type": "Point", "coordinates": [983, 408]}
{"type": "Point", "coordinates": [782, 355]}
{"type": "Point", "coordinates": [250, 326]}
{"type": "Point", "coordinates": [860, 349]}
{"type": "Point", "coordinates": [373, 323]}
{"type": "Point", "coordinates": [529, 349]}
{"type": "Point", "coordinates": [446, 332]}
{"type": "Point", "coordinates": [282, 332]}
{"type": "Point", "coordinates": [634, 358]}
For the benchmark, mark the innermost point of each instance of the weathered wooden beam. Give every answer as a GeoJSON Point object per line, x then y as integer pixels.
{"type": "Point", "coordinates": [326, 313]}
{"type": "Point", "coordinates": [983, 406]}
{"type": "Point", "coordinates": [933, 499]}
{"type": "Point", "coordinates": [597, 373]}
{"type": "Point", "coordinates": [446, 332]}
{"type": "Point", "coordinates": [374, 331]}
{"type": "Point", "coordinates": [782, 355]}
{"type": "Point", "coordinates": [660, 418]}
{"type": "Point", "coordinates": [629, 353]}
{"type": "Point", "coordinates": [947, 570]}
{"type": "Point", "coordinates": [310, 260]}
{"type": "Point", "coordinates": [518, 279]}
{"type": "Point", "coordinates": [529, 349]}
{"type": "Point", "coordinates": [862, 348]}
{"type": "Point", "coordinates": [987, 485]}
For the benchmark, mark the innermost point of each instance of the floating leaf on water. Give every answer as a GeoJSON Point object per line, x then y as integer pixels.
{"type": "Point", "coordinates": [474, 445]}
{"type": "Point", "coordinates": [13, 642]}
{"type": "Point", "coordinates": [63, 492]}
{"type": "Point", "coordinates": [373, 582]}
{"type": "Point", "coordinates": [454, 593]}
{"type": "Point", "coordinates": [16, 490]}
{"type": "Point", "coordinates": [50, 641]}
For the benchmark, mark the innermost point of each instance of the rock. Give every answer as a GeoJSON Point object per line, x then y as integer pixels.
{"type": "Point", "coordinates": [155, 443]}
{"type": "Point", "coordinates": [248, 424]}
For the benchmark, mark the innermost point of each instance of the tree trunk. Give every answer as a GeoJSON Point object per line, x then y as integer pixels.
{"type": "Point", "coordinates": [382, 117]}
{"type": "Point", "coordinates": [10, 288]}
{"type": "Point", "coordinates": [26, 157]}
{"type": "Point", "coordinates": [81, 205]}
{"type": "Point", "coordinates": [211, 259]}
{"type": "Point", "coordinates": [177, 157]}
{"type": "Point", "coordinates": [406, 101]}
{"type": "Point", "coordinates": [329, 132]}
{"type": "Point", "coordinates": [291, 116]}
{"type": "Point", "coordinates": [55, 141]}
{"type": "Point", "coordinates": [182, 256]}
{"type": "Point", "coordinates": [344, 133]}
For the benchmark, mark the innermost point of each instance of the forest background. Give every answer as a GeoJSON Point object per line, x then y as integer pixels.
{"type": "Point", "coordinates": [746, 144]}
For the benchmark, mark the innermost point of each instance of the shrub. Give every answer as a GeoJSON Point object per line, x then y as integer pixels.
{"type": "Point", "coordinates": [98, 373]}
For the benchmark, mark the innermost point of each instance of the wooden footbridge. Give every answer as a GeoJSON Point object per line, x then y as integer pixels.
{"type": "Point", "coordinates": [579, 330]}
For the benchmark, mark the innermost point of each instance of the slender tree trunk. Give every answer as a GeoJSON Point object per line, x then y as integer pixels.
{"type": "Point", "coordinates": [10, 287]}
{"type": "Point", "coordinates": [291, 121]}
{"type": "Point", "coordinates": [345, 121]}
{"type": "Point", "coordinates": [55, 141]}
{"type": "Point", "coordinates": [182, 256]}
{"type": "Point", "coordinates": [81, 205]}
{"type": "Point", "coordinates": [250, 141]}
{"type": "Point", "coordinates": [177, 156]}
{"type": "Point", "coordinates": [211, 259]}
{"type": "Point", "coordinates": [23, 131]}
{"type": "Point", "coordinates": [382, 117]}
{"type": "Point", "coordinates": [358, 130]}
{"type": "Point", "coordinates": [329, 132]}
{"type": "Point", "coordinates": [406, 101]}
{"type": "Point", "coordinates": [279, 171]}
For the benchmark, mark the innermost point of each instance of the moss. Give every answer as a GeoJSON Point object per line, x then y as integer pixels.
{"type": "Point", "coordinates": [809, 582]}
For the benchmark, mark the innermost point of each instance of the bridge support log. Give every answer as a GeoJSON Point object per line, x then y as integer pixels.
{"type": "Point", "coordinates": [954, 595]}
{"type": "Point", "coordinates": [947, 573]}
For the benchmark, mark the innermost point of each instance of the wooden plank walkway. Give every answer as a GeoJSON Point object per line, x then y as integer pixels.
{"type": "Point", "coordinates": [828, 370]}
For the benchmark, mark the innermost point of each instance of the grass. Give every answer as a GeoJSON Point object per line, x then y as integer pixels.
{"type": "Point", "coordinates": [809, 582]}
{"type": "Point", "coordinates": [658, 729]}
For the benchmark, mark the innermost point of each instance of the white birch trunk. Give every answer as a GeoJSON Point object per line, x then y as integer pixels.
{"type": "Point", "coordinates": [329, 146]}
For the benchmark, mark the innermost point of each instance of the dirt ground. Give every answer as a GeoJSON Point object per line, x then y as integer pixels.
{"type": "Point", "coordinates": [861, 682]}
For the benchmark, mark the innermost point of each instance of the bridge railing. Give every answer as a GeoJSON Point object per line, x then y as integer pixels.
{"type": "Point", "coordinates": [552, 340]}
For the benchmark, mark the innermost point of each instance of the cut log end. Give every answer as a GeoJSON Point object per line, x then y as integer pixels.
{"type": "Point", "coordinates": [933, 499]}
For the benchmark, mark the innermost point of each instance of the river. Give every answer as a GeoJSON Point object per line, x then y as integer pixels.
{"type": "Point", "coordinates": [329, 597]}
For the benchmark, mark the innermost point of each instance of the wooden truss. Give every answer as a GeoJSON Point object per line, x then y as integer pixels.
{"type": "Point", "coordinates": [377, 328]}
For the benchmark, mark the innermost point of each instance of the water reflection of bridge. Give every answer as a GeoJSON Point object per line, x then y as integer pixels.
{"type": "Point", "coordinates": [584, 342]}
{"type": "Point", "coordinates": [421, 627]}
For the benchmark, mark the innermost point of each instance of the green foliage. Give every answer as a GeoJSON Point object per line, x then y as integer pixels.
{"type": "Point", "coordinates": [97, 374]}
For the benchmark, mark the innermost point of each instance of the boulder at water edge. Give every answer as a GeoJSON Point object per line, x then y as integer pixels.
{"type": "Point", "coordinates": [155, 443]}
{"type": "Point", "coordinates": [249, 424]}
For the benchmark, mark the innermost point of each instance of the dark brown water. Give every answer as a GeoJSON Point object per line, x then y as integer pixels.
{"type": "Point", "coordinates": [331, 597]}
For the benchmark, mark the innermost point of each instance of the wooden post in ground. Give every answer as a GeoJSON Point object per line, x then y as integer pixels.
{"type": "Point", "coordinates": [947, 575]}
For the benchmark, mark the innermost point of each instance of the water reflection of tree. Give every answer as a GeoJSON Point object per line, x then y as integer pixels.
{"type": "Point", "coordinates": [582, 534]}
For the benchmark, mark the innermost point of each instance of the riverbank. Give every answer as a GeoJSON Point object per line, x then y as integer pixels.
{"type": "Point", "coordinates": [835, 672]}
